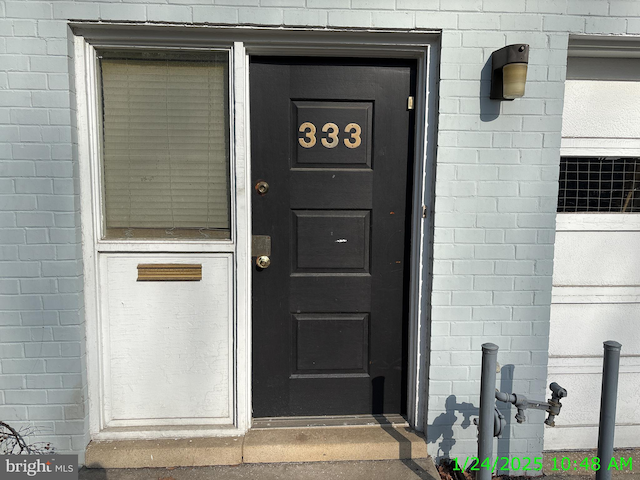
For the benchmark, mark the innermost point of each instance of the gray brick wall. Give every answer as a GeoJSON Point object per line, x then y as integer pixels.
{"type": "Point", "coordinates": [497, 168]}
{"type": "Point", "coordinates": [41, 320]}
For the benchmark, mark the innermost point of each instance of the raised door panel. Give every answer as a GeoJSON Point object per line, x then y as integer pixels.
{"type": "Point", "coordinates": [167, 344]}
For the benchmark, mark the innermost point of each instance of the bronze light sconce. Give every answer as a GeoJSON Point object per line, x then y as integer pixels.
{"type": "Point", "coordinates": [509, 71]}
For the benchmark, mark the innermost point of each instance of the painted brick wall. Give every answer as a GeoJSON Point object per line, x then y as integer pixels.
{"type": "Point", "coordinates": [42, 368]}
{"type": "Point", "coordinates": [494, 213]}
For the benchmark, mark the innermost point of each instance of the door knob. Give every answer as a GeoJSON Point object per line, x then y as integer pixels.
{"type": "Point", "coordinates": [263, 261]}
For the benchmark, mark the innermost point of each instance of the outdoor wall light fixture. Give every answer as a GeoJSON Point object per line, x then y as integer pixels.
{"type": "Point", "coordinates": [509, 71]}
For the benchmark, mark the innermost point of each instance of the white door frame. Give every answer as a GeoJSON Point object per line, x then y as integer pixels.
{"type": "Point", "coordinates": [243, 42]}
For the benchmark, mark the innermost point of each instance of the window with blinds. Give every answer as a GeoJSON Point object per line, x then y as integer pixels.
{"type": "Point", "coordinates": [165, 145]}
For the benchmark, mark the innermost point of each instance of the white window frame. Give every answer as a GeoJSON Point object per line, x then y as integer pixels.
{"type": "Point", "coordinates": [596, 221]}
{"type": "Point", "coordinates": [243, 42]}
{"type": "Point", "coordinates": [178, 245]}
{"type": "Point", "coordinates": [154, 245]}
{"type": "Point", "coordinates": [595, 47]}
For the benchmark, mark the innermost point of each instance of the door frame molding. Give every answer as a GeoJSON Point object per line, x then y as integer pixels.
{"type": "Point", "coordinates": [423, 46]}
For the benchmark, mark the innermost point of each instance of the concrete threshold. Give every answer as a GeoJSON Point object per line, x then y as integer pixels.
{"type": "Point", "coordinates": [183, 452]}
{"type": "Point", "coordinates": [380, 442]}
{"type": "Point", "coordinates": [278, 445]}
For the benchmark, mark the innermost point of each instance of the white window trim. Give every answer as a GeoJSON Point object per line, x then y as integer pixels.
{"type": "Point", "coordinates": [177, 245]}
{"type": "Point", "coordinates": [243, 42]}
{"type": "Point", "coordinates": [600, 147]}
{"type": "Point", "coordinates": [101, 427]}
{"type": "Point", "coordinates": [593, 47]}
{"type": "Point", "coordinates": [598, 222]}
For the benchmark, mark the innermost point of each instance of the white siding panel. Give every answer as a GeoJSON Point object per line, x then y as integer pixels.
{"type": "Point", "coordinates": [577, 425]}
{"type": "Point", "coordinates": [596, 285]}
{"type": "Point", "coordinates": [582, 405]}
{"type": "Point", "coordinates": [168, 343]}
{"type": "Point", "coordinates": [584, 438]}
{"type": "Point", "coordinates": [581, 329]}
{"type": "Point", "coordinates": [601, 109]}
{"type": "Point", "coordinates": [597, 258]}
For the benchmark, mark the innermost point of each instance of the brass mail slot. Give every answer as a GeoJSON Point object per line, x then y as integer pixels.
{"type": "Point", "coordinates": [169, 272]}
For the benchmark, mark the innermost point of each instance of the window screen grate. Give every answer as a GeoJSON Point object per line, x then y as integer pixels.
{"type": "Point", "coordinates": [603, 184]}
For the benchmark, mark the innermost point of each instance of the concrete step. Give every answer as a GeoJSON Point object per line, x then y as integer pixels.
{"type": "Point", "coordinates": [268, 445]}
{"type": "Point", "coordinates": [193, 452]}
{"type": "Point", "coordinates": [380, 442]}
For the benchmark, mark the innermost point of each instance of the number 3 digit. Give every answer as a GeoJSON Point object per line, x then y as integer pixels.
{"type": "Point", "coordinates": [333, 135]}
{"type": "Point", "coordinates": [355, 140]}
{"type": "Point", "coordinates": [310, 136]}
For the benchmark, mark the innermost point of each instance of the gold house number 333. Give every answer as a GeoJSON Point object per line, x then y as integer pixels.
{"type": "Point", "coordinates": [332, 131]}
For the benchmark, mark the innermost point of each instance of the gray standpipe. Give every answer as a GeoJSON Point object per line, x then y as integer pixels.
{"type": "Point", "coordinates": [491, 422]}
{"type": "Point", "coordinates": [608, 400]}
{"type": "Point", "coordinates": [487, 409]}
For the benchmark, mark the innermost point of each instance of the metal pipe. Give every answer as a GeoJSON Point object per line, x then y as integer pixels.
{"type": "Point", "coordinates": [487, 407]}
{"type": "Point", "coordinates": [506, 397]}
{"type": "Point", "coordinates": [608, 400]}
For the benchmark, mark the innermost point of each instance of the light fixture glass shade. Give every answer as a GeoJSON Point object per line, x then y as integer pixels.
{"type": "Point", "coordinates": [514, 77]}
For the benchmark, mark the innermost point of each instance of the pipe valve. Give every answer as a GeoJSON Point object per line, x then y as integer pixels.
{"type": "Point", "coordinates": [552, 407]}
{"type": "Point", "coordinates": [557, 393]}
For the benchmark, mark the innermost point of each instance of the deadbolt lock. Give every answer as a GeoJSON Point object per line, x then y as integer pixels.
{"type": "Point", "coordinates": [262, 187]}
{"type": "Point", "coordinates": [263, 261]}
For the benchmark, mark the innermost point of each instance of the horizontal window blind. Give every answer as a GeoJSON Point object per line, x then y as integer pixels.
{"type": "Point", "coordinates": [165, 144]}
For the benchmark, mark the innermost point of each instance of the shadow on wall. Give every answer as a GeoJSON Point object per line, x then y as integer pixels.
{"type": "Point", "coordinates": [506, 385]}
{"type": "Point", "coordinates": [442, 426]}
{"type": "Point", "coordinates": [489, 109]}
{"type": "Point", "coordinates": [404, 445]}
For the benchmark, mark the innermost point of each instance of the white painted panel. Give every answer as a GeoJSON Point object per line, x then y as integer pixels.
{"type": "Point", "coordinates": [167, 343]}
{"type": "Point", "coordinates": [584, 438]}
{"type": "Point", "coordinates": [601, 109]}
{"type": "Point", "coordinates": [603, 68]}
{"type": "Point", "coordinates": [599, 147]}
{"type": "Point", "coordinates": [597, 294]}
{"type": "Point", "coordinates": [597, 263]}
{"type": "Point", "coordinates": [582, 405]}
{"type": "Point", "coordinates": [597, 258]}
{"type": "Point", "coordinates": [590, 365]}
{"type": "Point", "coordinates": [577, 425]}
{"type": "Point", "coordinates": [581, 329]}
{"type": "Point", "coordinates": [597, 222]}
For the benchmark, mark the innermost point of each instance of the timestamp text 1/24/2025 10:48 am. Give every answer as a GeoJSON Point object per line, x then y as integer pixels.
{"type": "Point", "coordinates": [535, 464]}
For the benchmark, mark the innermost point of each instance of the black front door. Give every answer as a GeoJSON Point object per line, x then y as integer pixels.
{"type": "Point", "coordinates": [332, 139]}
